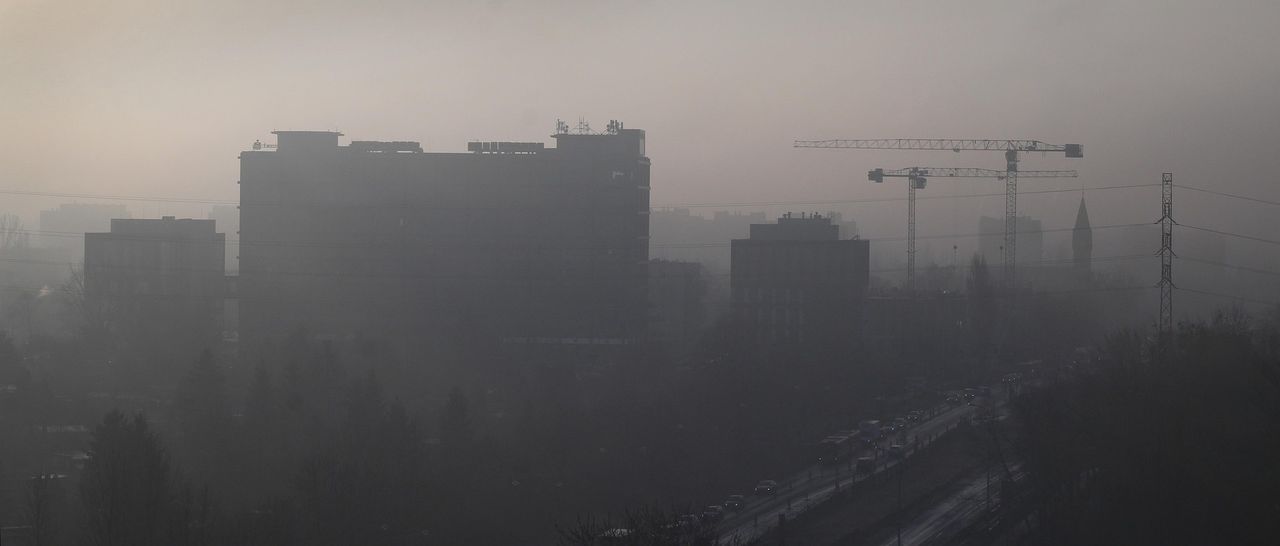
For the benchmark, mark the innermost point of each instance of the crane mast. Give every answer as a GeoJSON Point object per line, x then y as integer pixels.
{"type": "Point", "coordinates": [1011, 148]}
{"type": "Point", "coordinates": [917, 179]}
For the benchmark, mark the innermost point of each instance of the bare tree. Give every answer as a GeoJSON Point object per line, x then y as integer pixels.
{"type": "Point", "coordinates": [82, 313]}
{"type": "Point", "coordinates": [124, 488]}
{"type": "Point", "coordinates": [12, 234]}
{"type": "Point", "coordinates": [40, 513]}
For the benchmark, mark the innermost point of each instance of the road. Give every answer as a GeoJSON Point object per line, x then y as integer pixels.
{"type": "Point", "coordinates": [800, 492]}
{"type": "Point", "coordinates": [967, 503]}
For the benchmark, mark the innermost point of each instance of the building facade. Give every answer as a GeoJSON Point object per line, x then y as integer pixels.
{"type": "Point", "coordinates": [157, 279]}
{"type": "Point", "coordinates": [678, 310]}
{"type": "Point", "coordinates": [797, 282]}
{"type": "Point", "coordinates": [509, 243]}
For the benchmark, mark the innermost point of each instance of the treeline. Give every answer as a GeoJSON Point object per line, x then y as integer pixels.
{"type": "Point", "coordinates": [364, 445]}
{"type": "Point", "coordinates": [321, 448]}
{"type": "Point", "coordinates": [1161, 444]}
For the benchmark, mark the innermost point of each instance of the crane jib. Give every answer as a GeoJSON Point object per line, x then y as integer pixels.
{"type": "Point", "coordinates": [1071, 150]}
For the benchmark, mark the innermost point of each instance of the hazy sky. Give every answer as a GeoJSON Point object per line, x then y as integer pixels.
{"type": "Point", "coordinates": [157, 98]}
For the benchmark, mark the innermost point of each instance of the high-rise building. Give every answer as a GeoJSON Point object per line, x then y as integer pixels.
{"type": "Point", "coordinates": [797, 282]}
{"type": "Point", "coordinates": [677, 303]}
{"type": "Point", "coordinates": [157, 278]}
{"type": "Point", "coordinates": [511, 243]}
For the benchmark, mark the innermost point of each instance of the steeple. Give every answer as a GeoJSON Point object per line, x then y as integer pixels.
{"type": "Point", "coordinates": [1082, 243]}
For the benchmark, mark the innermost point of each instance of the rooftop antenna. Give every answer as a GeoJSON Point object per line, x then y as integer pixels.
{"type": "Point", "coordinates": [584, 128]}
{"type": "Point", "coordinates": [562, 128]}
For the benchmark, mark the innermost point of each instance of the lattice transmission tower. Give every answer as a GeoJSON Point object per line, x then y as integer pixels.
{"type": "Point", "coordinates": [1166, 259]}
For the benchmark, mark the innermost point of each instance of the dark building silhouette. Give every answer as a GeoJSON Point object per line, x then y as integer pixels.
{"type": "Point", "coordinates": [157, 277]}
{"type": "Point", "coordinates": [678, 311]}
{"type": "Point", "coordinates": [677, 234]}
{"type": "Point", "coordinates": [228, 222]}
{"type": "Point", "coordinates": [1082, 244]}
{"type": "Point", "coordinates": [798, 282]}
{"type": "Point", "coordinates": [895, 323]}
{"type": "Point", "coordinates": [513, 243]}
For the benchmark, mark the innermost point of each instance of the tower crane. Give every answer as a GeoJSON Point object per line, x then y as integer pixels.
{"type": "Point", "coordinates": [1011, 149]}
{"type": "Point", "coordinates": [917, 178]}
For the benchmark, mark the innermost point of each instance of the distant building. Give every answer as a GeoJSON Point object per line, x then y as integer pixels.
{"type": "Point", "coordinates": [157, 277]}
{"type": "Point", "coordinates": [797, 282]}
{"type": "Point", "coordinates": [1082, 244]}
{"type": "Point", "coordinates": [1059, 274]}
{"type": "Point", "coordinates": [227, 218]}
{"type": "Point", "coordinates": [1030, 240]}
{"type": "Point", "coordinates": [512, 243]}
{"type": "Point", "coordinates": [848, 228]}
{"type": "Point", "coordinates": [64, 226]}
{"type": "Point", "coordinates": [677, 234]}
{"type": "Point", "coordinates": [897, 324]}
{"type": "Point", "coordinates": [678, 303]}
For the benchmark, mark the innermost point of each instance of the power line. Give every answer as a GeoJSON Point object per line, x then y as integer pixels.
{"type": "Point", "coordinates": [1229, 234]}
{"type": "Point", "coordinates": [211, 201]}
{"type": "Point", "coordinates": [511, 244]}
{"type": "Point", "coordinates": [107, 197]}
{"type": "Point", "coordinates": [1226, 296]}
{"type": "Point", "coordinates": [1229, 266]}
{"type": "Point", "coordinates": [1232, 195]}
{"type": "Point", "coordinates": [402, 297]}
{"type": "Point", "coordinates": [884, 199]}
{"type": "Point", "coordinates": [432, 276]}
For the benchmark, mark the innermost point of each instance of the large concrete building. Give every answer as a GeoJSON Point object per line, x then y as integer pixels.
{"type": "Point", "coordinates": [510, 243]}
{"type": "Point", "coordinates": [678, 310]}
{"type": "Point", "coordinates": [798, 282]}
{"type": "Point", "coordinates": [157, 278]}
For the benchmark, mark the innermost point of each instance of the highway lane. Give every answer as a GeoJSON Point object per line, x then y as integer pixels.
{"type": "Point", "coordinates": [800, 492]}
{"type": "Point", "coordinates": [941, 522]}
{"type": "Point", "coordinates": [947, 517]}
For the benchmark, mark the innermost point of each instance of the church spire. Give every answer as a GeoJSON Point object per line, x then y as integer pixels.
{"type": "Point", "coordinates": [1082, 243]}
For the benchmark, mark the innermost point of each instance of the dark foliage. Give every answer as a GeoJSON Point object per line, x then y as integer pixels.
{"type": "Point", "coordinates": [125, 485]}
{"type": "Point", "coordinates": [1148, 447]}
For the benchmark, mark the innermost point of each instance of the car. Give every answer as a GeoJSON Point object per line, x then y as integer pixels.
{"type": "Point", "coordinates": [713, 513]}
{"type": "Point", "coordinates": [915, 416]}
{"type": "Point", "coordinates": [766, 487]}
{"type": "Point", "coordinates": [897, 451]}
{"type": "Point", "coordinates": [735, 503]}
{"type": "Point", "coordinates": [618, 535]}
